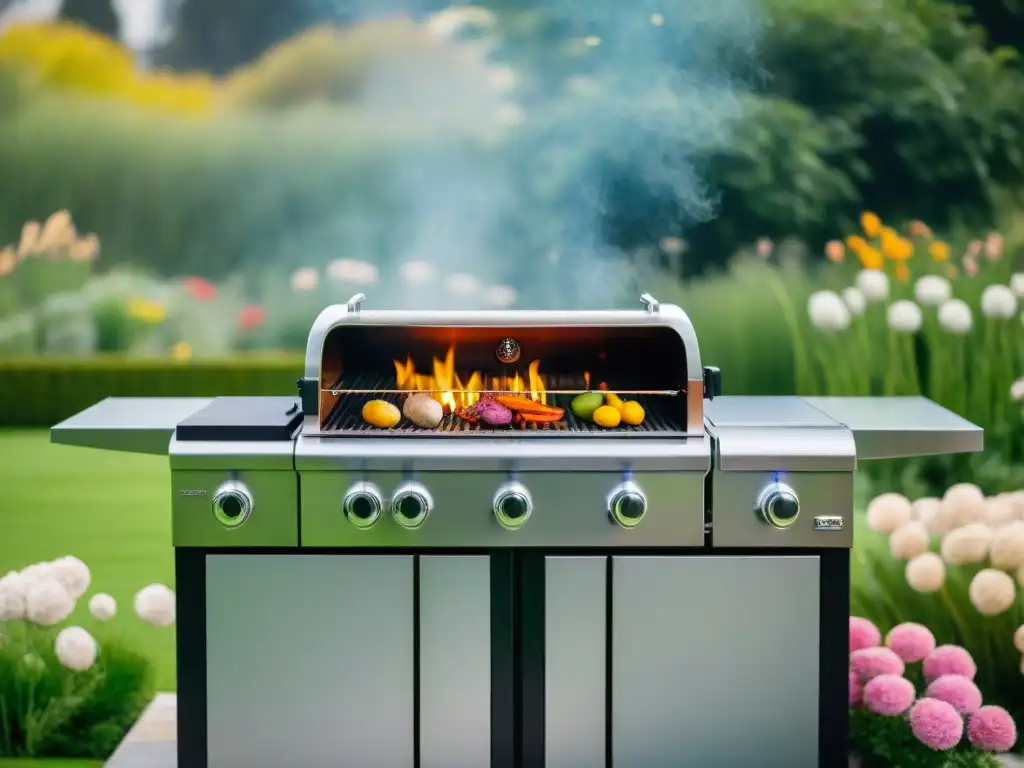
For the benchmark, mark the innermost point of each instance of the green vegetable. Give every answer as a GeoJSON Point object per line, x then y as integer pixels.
{"type": "Point", "coordinates": [584, 405]}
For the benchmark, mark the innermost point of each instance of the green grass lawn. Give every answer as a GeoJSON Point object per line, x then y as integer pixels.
{"type": "Point", "coordinates": [110, 509]}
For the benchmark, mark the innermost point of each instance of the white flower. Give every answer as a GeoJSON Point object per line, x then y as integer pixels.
{"type": "Point", "coordinates": [962, 503]}
{"type": "Point", "coordinates": [955, 317]}
{"type": "Point", "coordinates": [998, 301]}
{"type": "Point", "coordinates": [889, 511]}
{"type": "Point", "coordinates": [462, 284]}
{"type": "Point", "coordinates": [75, 649]}
{"type": "Point", "coordinates": [12, 597]}
{"type": "Point", "coordinates": [672, 245]}
{"type": "Point", "coordinates": [998, 511]}
{"type": "Point", "coordinates": [1017, 284]}
{"type": "Point", "coordinates": [854, 300]}
{"type": "Point", "coordinates": [102, 607]}
{"type": "Point", "coordinates": [904, 316]}
{"type": "Point", "coordinates": [1007, 551]}
{"type": "Point", "coordinates": [417, 271]}
{"type": "Point", "coordinates": [37, 572]}
{"type": "Point", "coordinates": [926, 572]}
{"type": "Point", "coordinates": [47, 602]}
{"type": "Point", "coordinates": [992, 592]}
{"type": "Point", "coordinates": [926, 510]}
{"type": "Point", "coordinates": [873, 284]}
{"type": "Point", "coordinates": [933, 290]}
{"type": "Point", "coordinates": [592, 41]}
{"type": "Point", "coordinates": [155, 605]}
{"type": "Point", "coordinates": [1017, 389]}
{"type": "Point", "coordinates": [72, 574]}
{"type": "Point", "coordinates": [969, 544]}
{"type": "Point", "coordinates": [500, 296]}
{"type": "Point", "coordinates": [827, 311]}
{"type": "Point", "coordinates": [502, 78]}
{"type": "Point", "coordinates": [657, 19]}
{"type": "Point", "coordinates": [909, 540]}
{"type": "Point", "coordinates": [305, 279]}
{"type": "Point", "coordinates": [352, 271]}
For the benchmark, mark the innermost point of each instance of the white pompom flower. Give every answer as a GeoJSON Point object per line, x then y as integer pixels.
{"type": "Point", "coordinates": [75, 648]}
{"type": "Point", "coordinates": [889, 511]}
{"type": "Point", "coordinates": [72, 574]}
{"type": "Point", "coordinates": [353, 271]}
{"type": "Point", "coordinates": [12, 597]}
{"type": "Point", "coordinates": [417, 271]}
{"type": "Point", "coordinates": [155, 605]}
{"type": "Point", "coordinates": [462, 284]}
{"type": "Point", "coordinates": [909, 540]}
{"type": "Point", "coordinates": [874, 284]}
{"type": "Point", "coordinates": [999, 511]}
{"type": "Point", "coordinates": [854, 300]}
{"type": "Point", "coordinates": [967, 545]}
{"type": "Point", "coordinates": [827, 311]}
{"type": "Point", "coordinates": [933, 290]}
{"type": "Point", "coordinates": [992, 592]}
{"type": "Point", "coordinates": [926, 573]}
{"type": "Point", "coordinates": [904, 316]}
{"type": "Point", "coordinates": [102, 607]}
{"type": "Point", "coordinates": [48, 603]}
{"type": "Point", "coordinates": [1007, 550]}
{"type": "Point", "coordinates": [1017, 284]}
{"type": "Point", "coordinates": [962, 503]}
{"type": "Point", "coordinates": [955, 317]}
{"type": "Point", "coordinates": [998, 302]}
{"type": "Point", "coordinates": [37, 572]}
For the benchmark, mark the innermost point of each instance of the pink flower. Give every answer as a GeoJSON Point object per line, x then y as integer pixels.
{"type": "Point", "coordinates": [764, 247]}
{"type": "Point", "coordinates": [910, 641]}
{"type": "Point", "coordinates": [949, 660]}
{"type": "Point", "coordinates": [856, 690]}
{"type": "Point", "coordinates": [936, 724]}
{"type": "Point", "coordinates": [991, 729]}
{"type": "Point", "coordinates": [200, 289]}
{"type": "Point", "coordinates": [250, 317]}
{"type": "Point", "coordinates": [888, 695]}
{"type": "Point", "coordinates": [962, 693]}
{"type": "Point", "coordinates": [863, 634]}
{"type": "Point", "coordinates": [872, 662]}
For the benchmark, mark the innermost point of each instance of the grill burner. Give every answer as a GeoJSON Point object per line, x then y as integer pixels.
{"type": "Point", "coordinates": [345, 419]}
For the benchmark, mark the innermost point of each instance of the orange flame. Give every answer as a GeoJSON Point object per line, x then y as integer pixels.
{"type": "Point", "coordinates": [445, 386]}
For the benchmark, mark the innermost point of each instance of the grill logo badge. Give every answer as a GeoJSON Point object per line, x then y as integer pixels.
{"type": "Point", "coordinates": [828, 523]}
{"type": "Point", "coordinates": [183, 492]}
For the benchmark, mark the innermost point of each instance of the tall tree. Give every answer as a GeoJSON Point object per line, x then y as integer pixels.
{"type": "Point", "coordinates": [98, 15]}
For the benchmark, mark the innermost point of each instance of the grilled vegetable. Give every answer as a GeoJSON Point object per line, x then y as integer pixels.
{"type": "Point", "coordinates": [423, 411]}
{"type": "Point", "coordinates": [381, 413]}
{"type": "Point", "coordinates": [632, 413]}
{"type": "Point", "coordinates": [495, 414]}
{"type": "Point", "coordinates": [606, 416]}
{"type": "Point", "coordinates": [526, 405]}
{"type": "Point", "coordinates": [613, 400]}
{"type": "Point", "coordinates": [584, 405]}
{"type": "Point", "coordinates": [541, 418]}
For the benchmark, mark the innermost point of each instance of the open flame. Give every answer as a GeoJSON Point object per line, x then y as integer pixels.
{"type": "Point", "coordinates": [445, 386]}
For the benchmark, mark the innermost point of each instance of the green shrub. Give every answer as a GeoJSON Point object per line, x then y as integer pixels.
{"type": "Point", "coordinates": [50, 711]}
{"type": "Point", "coordinates": [42, 392]}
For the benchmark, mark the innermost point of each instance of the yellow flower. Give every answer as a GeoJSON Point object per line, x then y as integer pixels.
{"type": "Point", "coordinates": [895, 247]}
{"type": "Point", "coordinates": [147, 311]}
{"type": "Point", "coordinates": [902, 272]}
{"type": "Point", "coordinates": [870, 257]}
{"type": "Point", "coordinates": [856, 243]}
{"type": "Point", "coordinates": [181, 351]}
{"type": "Point", "coordinates": [939, 251]}
{"type": "Point", "coordinates": [870, 223]}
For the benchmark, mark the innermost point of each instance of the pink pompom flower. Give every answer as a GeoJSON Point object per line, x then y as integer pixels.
{"type": "Point", "coordinates": [962, 693]}
{"type": "Point", "coordinates": [949, 660]}
{"type": "Point", "coordinates": [863, 634]}
{"type": "Point", "coordinates": [936, 724]}
{"type": "Point", "coordinates": [872, 662]}
{"type": "Point", "coordinates": [888, 695]}
{"type": "Point", "coordinates": [991, 729]}
{"type": "Point", "coordinates": [910, 641]}
{"type": "Point", "coordinates": [856, 690]}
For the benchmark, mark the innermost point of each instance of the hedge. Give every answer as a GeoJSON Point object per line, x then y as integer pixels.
{"type": "Point", "coordinates": [40, 392]}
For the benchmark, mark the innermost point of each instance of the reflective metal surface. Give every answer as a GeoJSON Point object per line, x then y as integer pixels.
{"type": "Point", "coordinates": [780, 506]}
{"type": "Point", "coordinates": [131, 424]}
{"type": "Point", "coordinates": [411, 504]}
{"type": "Point", "coordinates": [715, 662]}
{"type": "Point", "coordinates": [512, 505]}
{"type": "Point", "coordinates": [362, 505]}
{"type": "Point", "coordinates": [232, 504]}
{"type": "Point", "coordinates": [627, 504]}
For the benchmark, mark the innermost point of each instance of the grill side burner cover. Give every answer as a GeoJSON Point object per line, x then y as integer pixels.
{"type": "Point", "coordinates": [241, 419]}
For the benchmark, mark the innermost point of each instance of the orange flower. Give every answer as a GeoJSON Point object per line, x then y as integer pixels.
{"type": "Point", "coordinates": [918, 228]}
{"type": "Point", "coordinates": [939, 251]}
{"type": "Point", "coordinates": [834, 251]}
{"type": "Point", "coordinates": [902, 272]}
{"type": "Point", "coordinates": [895, 247]}
{"type": "Point", "coordinates": [870, 223]}
{"type": "Point", "coordinates": [871, 258]}
{"type": "Point", "coordinates": [856, 243]}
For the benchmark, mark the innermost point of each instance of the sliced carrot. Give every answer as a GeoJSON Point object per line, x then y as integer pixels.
{"type": "Point", "coordinates": [526, 405]}
{"type": "Point", "coordinates": [541, 418]}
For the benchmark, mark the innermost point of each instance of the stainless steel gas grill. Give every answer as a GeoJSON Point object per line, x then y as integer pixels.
{"type": "Point", "coordinates": [550, 593]}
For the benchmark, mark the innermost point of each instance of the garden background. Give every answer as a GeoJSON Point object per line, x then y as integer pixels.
{"type": "Point", "coordinates": [185, 184]}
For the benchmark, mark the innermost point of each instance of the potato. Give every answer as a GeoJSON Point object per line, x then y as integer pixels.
{"type": "Point", "coordinates": [423, 411]}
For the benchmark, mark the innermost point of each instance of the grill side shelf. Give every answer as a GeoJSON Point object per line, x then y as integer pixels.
{"type": "Point", "coordinates": [129, 424]}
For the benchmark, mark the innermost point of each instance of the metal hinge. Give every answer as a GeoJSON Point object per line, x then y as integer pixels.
{"type": "Point", "coordinates": [651, 304]}
{"type": "Point", "coordinates": [356, 302]}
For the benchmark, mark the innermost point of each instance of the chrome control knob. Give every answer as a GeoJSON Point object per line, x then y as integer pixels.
{"type": "Point", "coordinates": [512, 505]}
{"type": "Point", "coordinates": [363, 504]}
{"type": "Point", "coordinates": [410, 505]}
{"type": "Point", "coordinates": [232, 504]}
{"type": "Point", "coordinates": [627, 504]}
{"type": "Point", "coordinates": [779, 505]}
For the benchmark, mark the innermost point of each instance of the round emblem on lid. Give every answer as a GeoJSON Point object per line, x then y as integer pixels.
{"type": "Point", "coordinates": [508, 350]}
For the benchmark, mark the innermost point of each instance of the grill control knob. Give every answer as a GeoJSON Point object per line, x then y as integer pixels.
{"type": "Point", "coordinates": [410, 505]}
{"type": "Point", "coordinates": [363, 504]}
{"type": "Point", "coordinates": [627, 504]}
{"type": "Point", "coordinates": [512, 505]}
{"type": "Point", "coordinates": [779, 505]}
{"type": "Point", "coordinates": [232, 504]}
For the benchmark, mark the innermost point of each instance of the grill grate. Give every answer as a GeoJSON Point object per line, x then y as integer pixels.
{"type": "Point", "coordinates": [345, 419]}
